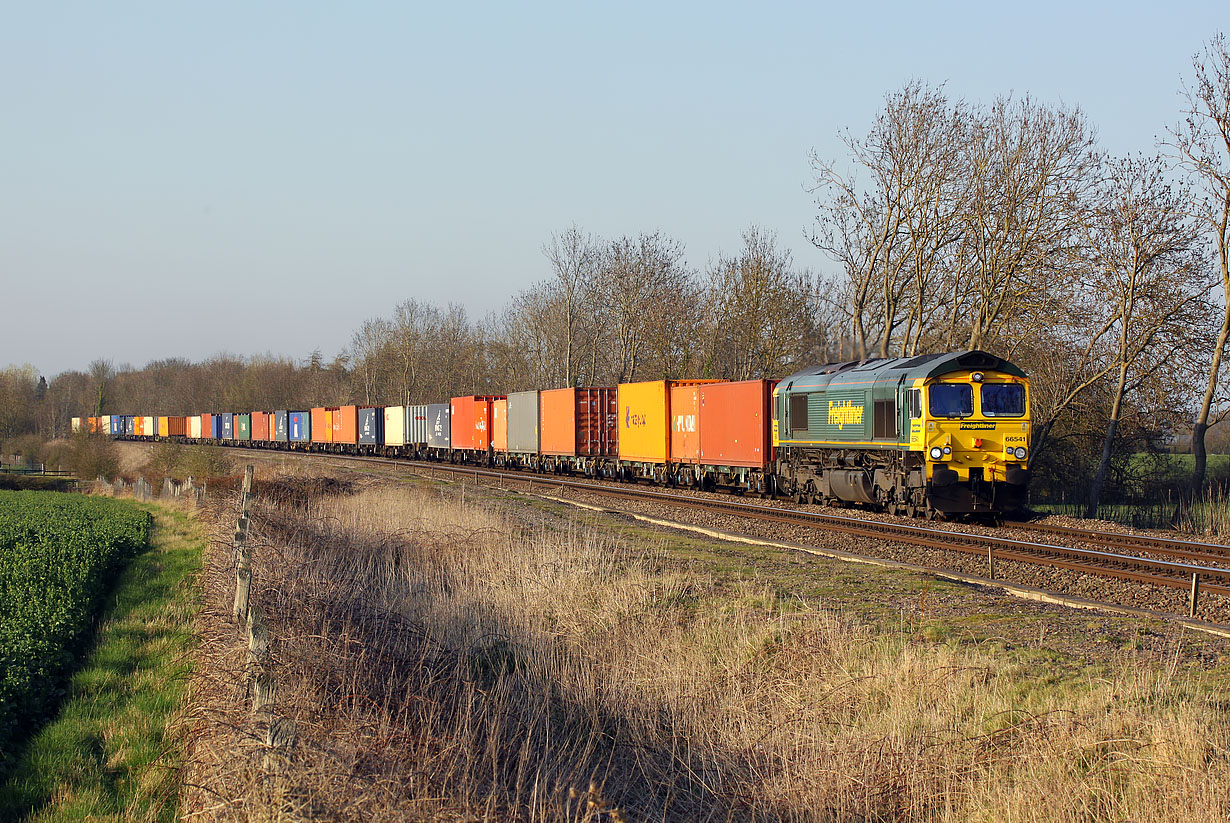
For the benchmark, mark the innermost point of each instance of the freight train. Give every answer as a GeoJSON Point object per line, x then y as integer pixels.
{"type": "Point", "coordinates": [933, 435]}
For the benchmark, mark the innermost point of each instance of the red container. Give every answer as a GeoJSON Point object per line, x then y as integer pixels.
{"type": "Point", "coordinates": [260, 425]}
{"type": "Point", "coordinates": [345, 420]}
{"type": "Point", "coordinates": [499, 425]}
{"type": "Point", "coordinates": [579, 422]}
{"type": "Point", "coordinates": [207, 427]}
{"type": "Point", "coordinates": [471, 422]}
{"type": "Point", "coordinates": [736, 423]}
{"type": "Point", "coordinates": [685, 423]}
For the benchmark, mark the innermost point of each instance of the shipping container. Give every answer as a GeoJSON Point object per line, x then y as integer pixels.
{"type": "Point", "coordinates": [417, 425]}
{"type": "Point", "coordinates": [207, 426]}
{"type": "Point", "coordinates": [471, 423]}
{"type": "Point", "coordinates": [499, 425]}
{"type": "Point", "coordinates": [163, 427]}
{"type": "Point", "coordinates": [394, 425]}
{"type": "Point", "coordinates": [644, 416]}
{"type": "Point", "coordinates": [215, 423]}
{"type": "Point", "coordinates": [242, 424]}
{"type": "Point", "coordinates": [194, 426]}
{"type": "Point", "coordinates": [345, 423]}
{"type": "Point", "coordinates": [523, 422]}
{"type": "Point", "coordinates": [228, 426]}
{"type": "Point", "coordinates": [151, 427]}
{"type": "Point", "coordinates": [736, 424]}
{"type": "Point", "coordinates": [177, 426]}
{"type": "Point", "coordinates": [371, 426]}
{"type": "Point", "coordinates": [260, 426]}
{"type": "Point", "coordinates": [322, 425]}
{"type": "Point", "coordinates": [579, 422]}
{"type": "Point", "coordinates": [439, 426]}
{"type": "Point", "coordinates": [684, 417]}
{"type": "Point", "coordinates": [281, 431]}
{"type": "Point", "coordinates": [299, 426]}
{"type": "Point", "coordinates": [76, 424]}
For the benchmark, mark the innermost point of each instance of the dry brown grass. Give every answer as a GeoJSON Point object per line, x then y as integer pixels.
{"type": "Point", "coordinates": [440, 663]}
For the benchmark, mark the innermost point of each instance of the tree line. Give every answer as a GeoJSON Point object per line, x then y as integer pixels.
{"type": "Point", "coordinates": [950, 225]}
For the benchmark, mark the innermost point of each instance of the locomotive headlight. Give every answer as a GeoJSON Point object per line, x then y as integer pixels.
{"type": "Point", "coordinates": [1019, 451]}
{"type": "Point", "coordinates": [936, 453]}
{"type": "Point", "coordinates": [948, 450]}
{"type": "Point", "coordinates": [976, 377]}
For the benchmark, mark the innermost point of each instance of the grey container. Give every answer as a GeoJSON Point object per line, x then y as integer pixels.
{"type": "Point", "coordinates": [371, 426]}
{"type": "Point", "coordinates": [279, 427]}
{"type": "Point", "coordinates": [438, 428]}
{"type": "Point", "coordinates": [417, 425]}
{"type": "Point", "coordinates": [523, 422]}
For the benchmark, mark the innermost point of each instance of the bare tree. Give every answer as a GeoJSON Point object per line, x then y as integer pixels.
{"type": "Point", "coordinates": [763, 309]}
{"type": "Point", "coordinates": [368, 347]}
{"type": "Point", "coordinates": [1142, 247]}
{"type": "Point", "coordinates": [574, 257]}
{"type": "Point", "coordinates": [101, 372]}
{"type": "Point", "coordinates": [1202, 146]}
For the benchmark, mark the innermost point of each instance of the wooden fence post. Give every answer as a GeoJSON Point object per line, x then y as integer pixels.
{"type": "Point", "coordinates": [1194, 596]}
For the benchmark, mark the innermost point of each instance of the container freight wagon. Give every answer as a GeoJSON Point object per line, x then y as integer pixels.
{"type": "Point", "coordinates": [322, 425]}
{"type": "Point", "coordinates": [396, 429]}
{"type": "Point", "coordinates": [207, 426]}
{"type": "Point", "coordinates": [261, 426]}
{"type": "Point", "coordinates": [227, 429]}
{"type": "Point", "coordinates": [735, 434]}
{"type": "Point", "coordinates": [242, 424]}
{"type": "Point", "coordinates": [523, 439]}
{"type": "Point", "coordinates": [345, 422]}
{"type": "Point", "coordinates": [371, 428]}
{"type": "Point", "coordinates": [150, 426]}
{"type": "Point", "coordinates": [439, 429]}
{"type": "Point", "coordinates": [299, 428]}
{"type": "Point", "coordinates": [279, 431]}
{"type": "Point", "coordinates": [645, 427]}
{"type": "Point", "coordinates": [470, 425]}
{"type": "Point", "coordinates": [578, 430]}
{"type": "Point", "coordinates": [194, 427]}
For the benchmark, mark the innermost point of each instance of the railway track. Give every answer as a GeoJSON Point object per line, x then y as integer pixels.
{"type": "Point", "coordinates": [1171, 563]}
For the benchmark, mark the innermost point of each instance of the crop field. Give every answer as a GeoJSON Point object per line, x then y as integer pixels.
{"type": "Point", "coordinates": [58, 555]}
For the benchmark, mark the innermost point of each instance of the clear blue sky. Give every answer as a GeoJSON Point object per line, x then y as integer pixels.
{"type": "Point", "coordinates": [179, 179]}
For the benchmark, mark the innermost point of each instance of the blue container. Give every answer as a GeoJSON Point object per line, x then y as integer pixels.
{"type": "Point", "coordinates": [371, 426]}
{"type": "Point", "coordinates": [280, 431]}
{"type": "Point", "coordinates": [215, 426]}
{"type": "Point", "coordinates": [300, 426]}
{"type": "Point", "coordinates": [228, 426]}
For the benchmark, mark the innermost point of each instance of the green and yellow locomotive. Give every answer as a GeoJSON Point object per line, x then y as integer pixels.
{"type": "Point", "coordinates": [934, 434]}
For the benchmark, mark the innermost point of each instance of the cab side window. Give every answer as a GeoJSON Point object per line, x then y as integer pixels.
{"type": "Point", "coordinates": [914, 398]}
{"type": "Point", "coordinates": [798, 412]}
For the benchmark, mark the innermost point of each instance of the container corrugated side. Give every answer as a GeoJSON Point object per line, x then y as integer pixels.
{"type": "Point", "coordinates": [736, 424]}
{"type": "Point", "coordinates": [418, 424]}
{"type": "Point", "coordinates": [243, 426]}
{"type": "Point", "coordinates": [76, 424]}
{"type": "Point", "coordinates": [260, 426]}
{"type": "Point", "coordinates": [471, 423]}
{"type": "Point", "coordinates": [345, 422]}
{"type": "Point", "coordinates": [228, 425]}
{"type": "Point", "coordinates": [579, 422]}
{"type": "Point", "coordinates": [685, 432]}
{"type": "Point", "coordinates": [151, 426]}
{"type": "Point", "coordinates": [280, 426]}
{"type": "Point", "coordinates": [439, 426]}
{"type": "Point", "coordinates": [523, 422]}
{"type": "Point", "coordinates": [645, 419]}
{"type": "Point", "coordinates": [322, 426]}
{"type": "Point", "coordinates": [194, 426]}
{"type": "Point", "coordinates": [371, 425]}
{"type": "Point", "coordinates": [299, 426]}
{"type": "Point", "coordinates": [177, 426]}
{"type": "Point", "coordinates": [395, 425]}
{"type": "Point", "coordinates": [207, 426]}
{"type": "Point", "coordinates": [499, 425]}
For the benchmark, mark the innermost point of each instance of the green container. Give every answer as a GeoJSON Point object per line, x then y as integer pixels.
{"type": "Point", "coordinates": [243, 427]}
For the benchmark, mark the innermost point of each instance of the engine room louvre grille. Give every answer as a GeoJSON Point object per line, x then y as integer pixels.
{"type": "Point", "coordinates": [886, 418]}
{"type": "Point", "coordinates": [798, 412]}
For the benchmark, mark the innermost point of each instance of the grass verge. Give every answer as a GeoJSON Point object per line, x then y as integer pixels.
{"type": "Point", "coordinates": [109, 754]}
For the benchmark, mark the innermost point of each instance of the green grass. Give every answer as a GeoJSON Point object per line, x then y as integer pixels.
{"type": "Point", "coordinates": [110, 754]}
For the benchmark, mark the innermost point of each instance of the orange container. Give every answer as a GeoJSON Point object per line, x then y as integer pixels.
{"type": "Point", "coordinates": [470, 422]}
{"type": "Point", "coordinates": [685, 423]}
{"type": "Point", "coordinates": [499, 425]}
{"type": "Point", "coordinates": [579, 422]}
{"type": "Point", "coordinates": [322, 425]}
{"type": "Point", "coordinates": [260, 425]}
{"type": "Point", "coordinates": [207, 427]}
{"type": "Point", "coordinates": [736, 424]}
{"type": "Point", "coordinates": [94, 427]}
{"type": "Point", "coordinates": [645, 420]}
{"type": "Point", "coordinates": [345, 423]}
